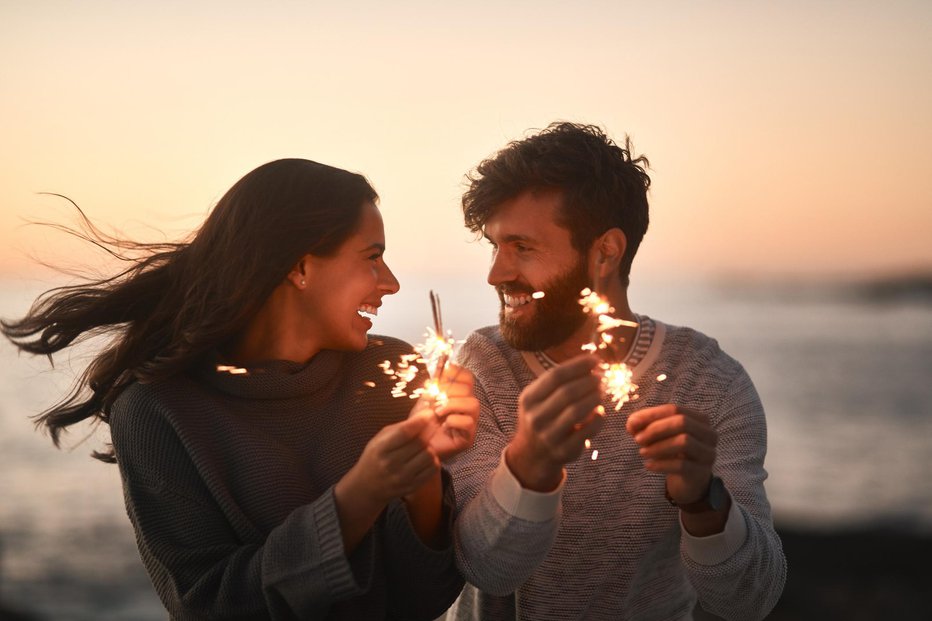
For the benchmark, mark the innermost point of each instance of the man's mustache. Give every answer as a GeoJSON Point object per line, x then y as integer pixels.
{"type": "Point", "coordinates": [514, 288]}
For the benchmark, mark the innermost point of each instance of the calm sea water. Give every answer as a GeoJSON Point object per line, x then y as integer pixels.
{"type": "Point", "coordinates": [845, 383]}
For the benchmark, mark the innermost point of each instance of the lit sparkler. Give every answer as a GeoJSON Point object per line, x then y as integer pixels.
{"type": "Point", "coordinates": [434, 353]}
{"type": "Point", "coordinates": [616, 376]}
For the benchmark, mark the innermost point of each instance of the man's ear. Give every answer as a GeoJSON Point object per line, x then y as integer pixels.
{"type": "Point", "coordinates": [300, 273]}
{"type": "Point", "coordinates": [608, 250]}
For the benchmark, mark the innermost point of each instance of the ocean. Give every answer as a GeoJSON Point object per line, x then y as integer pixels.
{"type": "Point", "coordinates": [845, 377]}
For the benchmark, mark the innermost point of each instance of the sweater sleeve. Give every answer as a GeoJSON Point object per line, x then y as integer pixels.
{"type": "Point", "coordinates": [499, 543]}
{"type": "Point", "coordinates": [423, 581]}
{"type": "Point", "coordinates": [746, 584]}
{"type": "Point", "coordinates": [200, 568]}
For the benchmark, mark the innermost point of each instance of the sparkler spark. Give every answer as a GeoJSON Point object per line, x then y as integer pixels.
{"type": "Point", "coordinates": [616, 376]}
{"type": "Point", "coordinates": [538, 295]}
{"type": "Point", "coordinates": [616, 380]}
{"type": "Point", "coordinates": [433, 353]}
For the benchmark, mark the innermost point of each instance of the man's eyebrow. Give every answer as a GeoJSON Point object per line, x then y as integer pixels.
{"type": "Point", "coordinates": [511, 238]}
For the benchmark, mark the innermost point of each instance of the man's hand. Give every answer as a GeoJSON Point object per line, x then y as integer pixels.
{"type": "Point", "coordinates": [679, 443]}
{"type": "Point", "coordinates": [556, 414]}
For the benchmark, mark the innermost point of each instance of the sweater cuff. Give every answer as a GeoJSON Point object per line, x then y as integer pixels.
{"type": "Point", "coordinates": [335, 566]}
{"type": "Point", "coordinates": [523, 503]}
{"type": "Point", "coordinates": [719, 547]}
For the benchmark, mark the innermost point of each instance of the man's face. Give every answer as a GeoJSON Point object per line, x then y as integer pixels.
{"type": "Point", "coordinates": [530, 253]}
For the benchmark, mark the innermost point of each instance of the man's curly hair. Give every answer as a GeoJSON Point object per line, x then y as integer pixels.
{"type": "Point", "coordinates": [602, 184]}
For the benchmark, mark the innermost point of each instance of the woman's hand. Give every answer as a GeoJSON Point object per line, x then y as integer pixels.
{"type": "Point", "coordinates": [452, 421]}
{"type": "Point", "coordinates": [396, 461]}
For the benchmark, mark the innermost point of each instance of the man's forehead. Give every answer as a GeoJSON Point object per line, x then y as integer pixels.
{"type": "Point", "coordinates": [530, 216]}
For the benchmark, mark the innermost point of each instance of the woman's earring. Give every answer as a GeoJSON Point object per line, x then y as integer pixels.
{"type": "Point", "coordinates": [303, 283]}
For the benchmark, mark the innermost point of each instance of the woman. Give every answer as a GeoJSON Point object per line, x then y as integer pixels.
{"type": "Point", "coordinates": [267, 470]}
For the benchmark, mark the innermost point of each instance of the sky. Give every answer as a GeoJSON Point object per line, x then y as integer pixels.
{"type": "Point", "coordinates": [786, 139]}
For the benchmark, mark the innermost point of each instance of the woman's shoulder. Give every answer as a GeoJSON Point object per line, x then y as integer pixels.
{"type": "Point", "coordinates": [151, 401]}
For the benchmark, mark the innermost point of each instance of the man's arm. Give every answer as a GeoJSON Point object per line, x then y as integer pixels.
{"type": "Point", "coordinates": [511, 486]}
{"type": "Point", "coordinates": [732, 553]}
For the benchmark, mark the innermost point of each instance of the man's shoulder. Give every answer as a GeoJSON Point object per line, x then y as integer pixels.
{"type": "Point", "coordinates": [482, 345]}
{"type": "Point", "coordinates": [493, 361]}
{"type": "Point", "coordinates": [691, 348]}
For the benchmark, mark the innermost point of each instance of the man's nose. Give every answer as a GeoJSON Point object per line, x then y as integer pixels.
{"type": "Point", "coordinates": [501, 270]}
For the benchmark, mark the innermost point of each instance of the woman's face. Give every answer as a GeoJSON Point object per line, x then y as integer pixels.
{"type": "Point", "coordinates": [345, 287]}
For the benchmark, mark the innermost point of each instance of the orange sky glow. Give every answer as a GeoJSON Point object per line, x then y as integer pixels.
{"type": "Point", "coordinates": [786, 139]}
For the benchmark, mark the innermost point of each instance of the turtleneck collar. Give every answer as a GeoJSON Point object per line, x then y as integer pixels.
{"type": "Point", "coordinates": [273, 379]}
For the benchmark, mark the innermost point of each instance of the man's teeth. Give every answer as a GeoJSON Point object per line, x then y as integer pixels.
{"type": "Point", "coordinates": [516, 300]}
{"type": "Point", "coordinates": [366, 309]}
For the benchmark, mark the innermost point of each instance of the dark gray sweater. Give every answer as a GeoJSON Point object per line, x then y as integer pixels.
{"type": "Point", "coordinates": [228, 481]}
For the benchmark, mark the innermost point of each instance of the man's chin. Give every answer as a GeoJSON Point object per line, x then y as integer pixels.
{"type": "Point", "coordinates": [522, 337]}
{"type": "Point", "coordinates": [523, 334]}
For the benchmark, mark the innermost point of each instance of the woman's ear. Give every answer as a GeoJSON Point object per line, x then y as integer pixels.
{"type": "Point", "coordinates": [298, 275]}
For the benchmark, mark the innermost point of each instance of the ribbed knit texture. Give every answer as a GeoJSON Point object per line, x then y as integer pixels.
{"type": "Point", "coordinates": [228, 481]}
{"type": "Point", "coordinates": [616, 552]}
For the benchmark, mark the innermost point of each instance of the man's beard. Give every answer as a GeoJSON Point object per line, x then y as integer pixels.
{"type": "Point", "coordinates": [556, 317]}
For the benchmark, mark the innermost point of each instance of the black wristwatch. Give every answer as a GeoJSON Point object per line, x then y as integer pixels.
{"type": "Point", "coordinates": [713, 500]}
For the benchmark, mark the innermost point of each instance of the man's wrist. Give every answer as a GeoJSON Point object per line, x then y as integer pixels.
{"type": "Point", "coordinates": [533, 474]}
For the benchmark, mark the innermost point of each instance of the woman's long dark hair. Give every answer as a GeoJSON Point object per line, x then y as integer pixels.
{"type": "Point", "coordinates": [177, 302]}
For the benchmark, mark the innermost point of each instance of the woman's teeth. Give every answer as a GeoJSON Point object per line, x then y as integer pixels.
{"type": "Point", "coordinates": [367, 310]}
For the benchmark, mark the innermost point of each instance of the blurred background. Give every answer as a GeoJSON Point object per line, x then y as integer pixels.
{"type": "Point", "coordinates": [791, 216]}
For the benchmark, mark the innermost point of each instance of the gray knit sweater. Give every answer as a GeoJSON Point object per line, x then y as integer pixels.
{"type": "Point", "coordinates": [617, 552]}
{"type": "Point", "coordinates": [228, 481]}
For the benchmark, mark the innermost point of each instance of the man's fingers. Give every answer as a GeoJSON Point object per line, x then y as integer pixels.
{"type": "Point", "coordinates": [637, 421]}
{"type": "Point", "coordinates": [580, 395]}
{"type": "Point", "coordinates": [544, 386]}
{"type": "Point", "coordinates": [640, 419]}
{"type": "Point", "coordinates": [680, 446]}
{"type": "Point", "coordinates": [675, 425]}
{"type": "Point", "coordinates": [573, 428]}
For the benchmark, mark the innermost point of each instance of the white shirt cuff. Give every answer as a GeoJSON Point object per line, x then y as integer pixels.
{"type": "Point", "coordinates": [717, 548]}
{"type": "Point", "coordinates": [523, 503]}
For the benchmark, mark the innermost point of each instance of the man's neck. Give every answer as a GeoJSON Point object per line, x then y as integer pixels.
{"type": "Point", "coordinates": [624, 336]}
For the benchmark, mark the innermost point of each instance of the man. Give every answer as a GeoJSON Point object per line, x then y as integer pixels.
{"type": "Point", "coordinates": [673, 508]}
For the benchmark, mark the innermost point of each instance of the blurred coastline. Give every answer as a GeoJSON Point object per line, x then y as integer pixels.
{"type": "Point", "coordinates": [842, 369]}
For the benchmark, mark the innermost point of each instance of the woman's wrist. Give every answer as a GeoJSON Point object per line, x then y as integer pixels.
{"type": "Point", "coordinates": [425, 509]}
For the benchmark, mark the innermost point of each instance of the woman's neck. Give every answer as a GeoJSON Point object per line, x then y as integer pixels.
{"type": "Point", "coordinates": [273, 335]}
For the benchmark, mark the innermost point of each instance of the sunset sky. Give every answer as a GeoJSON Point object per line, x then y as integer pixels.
{"type": "Point", "coordinates": [786, 138]}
